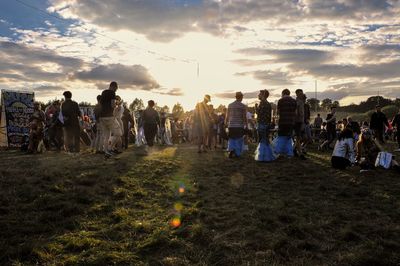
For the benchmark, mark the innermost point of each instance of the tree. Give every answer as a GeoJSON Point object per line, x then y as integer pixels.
{"type": "Point", "coordinates": [84, 104]}
{"type": "Point", "coordinates": [177, 111]}
{"type": "Point", "coordinates": [326, 104]}
{"type": "Point", "coordinates": [313, 103]}
{"type": "Point", "coordinates": [136, 105]}
{"type": "Point", "coordinates": [336, 104]}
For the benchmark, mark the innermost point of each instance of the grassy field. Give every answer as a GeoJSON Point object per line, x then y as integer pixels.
{"type": "Point", "coordinates": [177, 207]}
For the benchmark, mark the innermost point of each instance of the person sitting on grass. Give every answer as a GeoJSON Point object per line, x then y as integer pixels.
{"type": "Point", "coordinates": [368, 150]}
{"type": "Point", "coordinates": [343, 153]}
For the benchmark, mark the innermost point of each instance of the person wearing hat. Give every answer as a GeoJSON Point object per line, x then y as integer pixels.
{"type": "Point", "coordinates": [201, 123]}
{"type": "Point", "coordinates": [378, 123]}
{"type": "Point", "coordinates": [236, 121]}
{"type": "Point", "coordinates": [71, 113]}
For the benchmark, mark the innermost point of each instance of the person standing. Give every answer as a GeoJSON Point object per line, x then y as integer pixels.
{"type": "Point", "coordinates": [36, 124]}
{"type": "Point", "coordinates": [107, 119]}
{"type": "Point", "coordinates": [129, 123]}
{"type": "Point", "coordinates": [396, 123]}
{"type": "Point", "coordinates": [287, 113]}
{"type": "Point", "coordinates": [151, 121]}
{"type": "Point", "coordinates": [55, 129]}
{"type": "Point", "coordinates": [236, 121]}
{"type": "Point", "coordinates": [201, 123]}
{"type": "Point", "coordinates": [330, 129]}
{"type": "Point", "coordinates": [317, 125]}
{"type": "Point", "coordinates": [71, 113]}
{"type": "Point", "coordinates": [378, 123]}
{"type": "Point", "coordinates": [264, 151]}
{"type": "Point", "coordinates": [97, 142]}
{"type": "Point", "coordinates": [299, 123]}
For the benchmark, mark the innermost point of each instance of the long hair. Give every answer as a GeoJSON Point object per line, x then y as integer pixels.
{"type": "Point", "coordinates": [347, 133]}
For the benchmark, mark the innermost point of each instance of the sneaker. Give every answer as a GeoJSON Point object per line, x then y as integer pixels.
{"type": "Point", "coordinates": [231, 154]}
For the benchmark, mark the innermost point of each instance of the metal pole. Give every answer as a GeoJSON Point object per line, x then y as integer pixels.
{"type": "Point", "coordinates": [316, 106]}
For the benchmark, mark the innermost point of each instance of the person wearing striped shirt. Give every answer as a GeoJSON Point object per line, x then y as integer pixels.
{"type": "Point", "coordinates": [237, 122]}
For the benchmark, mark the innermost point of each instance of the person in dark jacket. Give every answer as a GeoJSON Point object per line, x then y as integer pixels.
{"type": "Point", "coordinates": [378, 123]}
{"type": "Point", "coordinates": [151, 121]}
{"type": "Point", "coordinates": [287, 113]}
{"type": "Point", "coordinates": [71, 113]}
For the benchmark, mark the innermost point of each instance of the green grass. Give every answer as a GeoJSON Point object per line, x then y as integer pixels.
{"type": "Point", "coordinates": [58, 210]}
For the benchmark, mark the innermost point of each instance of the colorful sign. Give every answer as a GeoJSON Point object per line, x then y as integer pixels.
{"type": "Point", "coordinates": [18, 108]}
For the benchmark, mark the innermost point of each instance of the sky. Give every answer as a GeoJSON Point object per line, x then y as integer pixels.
{"type": "Point", "coordinates": [178, 50]}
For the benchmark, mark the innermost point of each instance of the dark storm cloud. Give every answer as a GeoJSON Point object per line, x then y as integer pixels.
{"type": "Point", "coordinates": [134, 77]}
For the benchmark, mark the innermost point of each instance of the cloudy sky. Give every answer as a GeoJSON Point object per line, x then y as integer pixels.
{"type": "Point", "coordinates": [178, 50]}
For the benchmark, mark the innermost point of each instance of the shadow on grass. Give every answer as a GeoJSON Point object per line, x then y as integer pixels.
{"type": "Point", "coordinates": [293, 212]}
{"type": "Point", "coordinates": [67, 211]}
{"type": "Point", "coordinates": [57, 209]}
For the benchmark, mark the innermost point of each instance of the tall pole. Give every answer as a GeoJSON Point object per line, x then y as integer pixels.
{"type": "Point", "coordinates": [316, 106]}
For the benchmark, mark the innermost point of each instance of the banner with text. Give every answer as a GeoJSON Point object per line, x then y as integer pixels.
{"type": "Point", "coordinates": [18, 108]}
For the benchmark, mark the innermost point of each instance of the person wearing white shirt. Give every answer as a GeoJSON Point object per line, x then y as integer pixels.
{"type": "Point", "coordinates": [344, 153]}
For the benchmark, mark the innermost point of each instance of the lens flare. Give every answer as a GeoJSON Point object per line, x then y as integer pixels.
{"type": "Point", "coordinates": [178, 207]}
{"type": "Point", "coordinates": [176, 222]}
{"type": "Point", "coordinates": [181, 188]}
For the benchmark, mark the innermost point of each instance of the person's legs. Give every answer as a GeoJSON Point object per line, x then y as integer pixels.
{"type": "Point", "coordinates": [76, 140]}
{"type": "Point", "coordinates": [398, 137]}
{"type": "Point", "coordinates": [106, 127]}
{"type": "Point", "coordinates": [340, 162]}
{"type": "Point", "coordinates": [380, 136]}
{"type": "Point", "coordinates": [299, 133]}
{"type": "Point", "coordinates": [69, 143]}
{"type": "Point", "coordinates": [150, 131]}
{"type": "Point", "coordinates": [126, 137]}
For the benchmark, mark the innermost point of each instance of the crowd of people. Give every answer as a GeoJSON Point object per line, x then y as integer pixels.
{"type": "Point", "coordinates": [287, 134]}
